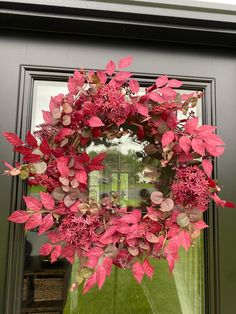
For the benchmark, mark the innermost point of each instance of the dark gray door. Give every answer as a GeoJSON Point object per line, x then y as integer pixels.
{"type": "Point", "coordinates": [27, 57]}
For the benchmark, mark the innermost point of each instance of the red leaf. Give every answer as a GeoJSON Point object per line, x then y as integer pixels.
{"type": "Point", "coordinates": [125, 62]}
{"type": "Point", "coordinates": [54, 236]}
{"type": "Point", "coordinates": [148, 269]}
{"type": "Point", "coordinates": [107, 263]}
{"type": "Point", "coordinates": [132, 218]}
{"type": "Point", "coordinates": [44, 147]}
{"type": "Point", "coordinates": [45, 249]}
{"type": "Point", "coordinates": [56, 252]}
{"type": "Point", "coordinates": [138, 271]}
{"type": "Point", "coordinates": [134, 86]}
{"type": "Point", "coordinates": [156, 97]}
{"type": "Point", "coordinates": [19, 216]}
{"type": "Point", "coordinates": [33, 221]}
{"type": "Point", "coordinates": [229, 204]}
{"type": "Point", "coordinates": [47, 200]}
{"type": "Point", "coordinates": [142, 109]}
{"type": "Point", "coordinates": [64, 132]}
{"type": "Point", "coordinates": [95, 122]}
{"type": "Point", "coordinates": [200, 225]}
{"type": "Point", "coordinates": [31, 140]}
{"type": "Point", "coordinates": [161, 81]}
{"type": "Point", "coordinates": [122, 76]}
{"type": "Point", "coordinates": [185, 144]}
{"type": "Point", "coordinates": [101, 276]}
{"type": "Point", "coordinates": [174, 83]}
{"type": "Point", "coordinates": [81, 176]}
{"type": "Point", "coordinates": [68, 252]}
{"type": "Point", "coordinates": [110, 67]}
{"type": "Point", "coordinates": [97, 160]}
{"type": "Point", "coordinates": [32, 203]}
{"type": "Point", "coordinates": [32, 158]}
{"type": "Point", "coordinates": [185, 240]}
{"type": "Point", "coordinates": [167, 138]}
{"type": "Point", "coordinates": [191, 125]}
{"type": "Point", "coordinates": [198, 146]}
{"type": "Point", "coordinates": [23, 150]}
{"type": "Point", "coordinates": [13, 138]}
{"type": "Point", "coordinates": [90, 282]}
{"type": "Point", "coordinates": [110, 231]}
{"type": "Point", "coordinates": [62, 166]}
{"type": "Point", "coordinates": [152, 238]}
{"type": "Point", "coordinates": [140, 133]}
{"type": "Point", "coordinates": [95, 167]}
{"type": "Point", "coordinates": [46, 223]}
{"type": "Point", "coordinates": [207, 167]}
{"type": "Point", "coordinates": [171, 120]}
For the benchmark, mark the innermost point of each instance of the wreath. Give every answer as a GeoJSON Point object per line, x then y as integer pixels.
{"type": "Point", "coordinates": [105, 105]}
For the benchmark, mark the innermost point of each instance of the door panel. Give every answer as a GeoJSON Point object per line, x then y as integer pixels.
{"type": "Point", "coordinates": [213, 69]}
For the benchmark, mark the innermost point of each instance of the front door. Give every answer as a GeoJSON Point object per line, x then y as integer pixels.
{"type": "Point", "coordinates": [32, 65]}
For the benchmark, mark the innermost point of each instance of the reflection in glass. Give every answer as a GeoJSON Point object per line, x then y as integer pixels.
{"type": "Point", "coordinates": [128, 179]}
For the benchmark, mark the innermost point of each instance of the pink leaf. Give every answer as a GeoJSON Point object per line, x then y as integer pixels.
{"type": "Point", "coordinates": [125, 62]}
{"type": "Point", "coordinates": [152, 238]}
{"type": "Point", "coordinates": [167, 138]}
{"type": "Point", "coordinates": [191, 125]}
{"type": "Point", "coordinates": [101, 276]}
{"type": "Point", "coordinates": [32, 203]}
{"type": "Point", "coordinates": [122, 76]}
{"type": "Point", "coordinates": [47, 117]}
{"type": "Point", "coordinates": [172, 120]}
{"type": "Point", "coordinates": [56, 252]}
{"type": "Point", "coordinates": [200, 224]}
{"type": "Point", "coordinates": [102, 76]}
{"type": "Point", "coordinates": [95, 252]}
{"type": "Point", "coordinates": [95, 122]}
{"type": "Point", "coordinates": [207, 167]}
{"type": "Point", "coordinates": [156, 97]}
{"type": "Point", "coordinates": [110, 67]}
{"type": "Point", "coordinates": [218, 200]}
{"type": "Point", "coordinates": [148, 269]}
{"type": "Point", "coordinates": [161, 81]}
{"type": "Point", "coordinates": [198, 146]}
{"type": "Point", "coordinates": [19, 216]}
{"type": "Point", "coordinates": [13, 138]}
{"type": "Point", "coordinates": [46, 223]}
{"type": "Point", "coordinates": [167, 205]}
{"type": "Point", "coordinates": [205, 130]}
{"type": "Point", "coordinates": [31, 140]}
{"type": "Point", "coordinates": [7, 164]}
{"type": "Point", "coordinates": [107, 263]}
{"type": "Point", "coordinates": [81, 176]}
{"type": "Point", "coordinates": [168, 93]}
{"type": "Point", "coordinates": [185, 144]}
{"type": "Point", "coordinates": [142, 109]}
{"type": "Point", "coordinates": [33, 221]}
{"type": "Point", "coordinates": [62, 166]}
{"type": "Point", "coordinates": [138, 271]}
{"type": "Point", "coordinates": [54, 236]}
{"type": "Point", "coordinates": [134, 86]}
{"type": "Point", "coordinates": [174, 83]}
{"type": "Point", "coordinates": [132, 218]}
{"type": "Point", "coordinates": [45, 249]}
{"type": "Point", "coordinates": [47, 200]}
{"type": "Point", "coordinates": [65, 132]}
{"type": "Point", "coordinates": [185, 240]}
{"type": "Point", "coordinates": [90, 282]}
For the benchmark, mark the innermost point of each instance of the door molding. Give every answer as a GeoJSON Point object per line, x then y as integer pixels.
{"type": "Point", "coordinates": [28, 75]}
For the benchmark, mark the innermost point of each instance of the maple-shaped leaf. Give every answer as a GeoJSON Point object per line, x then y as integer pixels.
{"type": "Point", "coordinates": [198, 146]}
{"type": "Point", "coordinates": [125, 62]}
{"type": "Point", "coordinates": [142, 109]}
{"type": "Point", "coordinates": [191, 125]}
{"type": "Point", "coordinates": [45, 249]}
{"type": "Point", "coordinates": [138, 271]}
{"type": "Point", "coordinates": [200, 224]}
{"type": "Point", "coordinates": [101, 276]}
{"type": "Point", "coordinates": [33, 221]}
{"type": "Point", "coordinates": [44, 147]}
{"type": "Point", "coordinates": [110, 67]}
{"type": "Point", "coordinates": [33, 203]}
{"type": "Point", "coordinates": [134, 86]}
{"type": "Point", "coordinates": [13, 138]}
{"type": "Point", "coordinates": [122, 76]}
{"type": "Point", "coordinates": [47, 200]}
{"type": "Point", "coordinates": [81, 176]}
{"type": "Point", "coordinates": [148, 268]}
{"type": "Point", "coordinates": [95, 122]}
{"type": "Point", "coordinates": [19, 216]}
{"type": "Point", "coordinates": [56, 252]}
{"type": "Point", "coordinates": [185, 143]}
{"type": "Point", "coordinates": [46, 223]}
{"type": "Point", "coordinates": [168, 93]}
{"type": "Point", "coordinates": [156, 97]}
{"type": "Point", "coordinates": [31, 140]}
{"type": "Point", "coordinates": [174, 83]}
{"type": "Point", "coordinates": [62, 166]}
{"type": "Point", "coordinates": [90, 283]}
{"type": "Point", "coordinates": [161, 81]}
{"type": "Point", "coordinates": [132, 217]}
{"type": "Point", "coordinates": [167, 138]}
{"type": "Point", "coordinates": [207, 167]}
{"type": "Point", "coordinates": [185, 239]}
